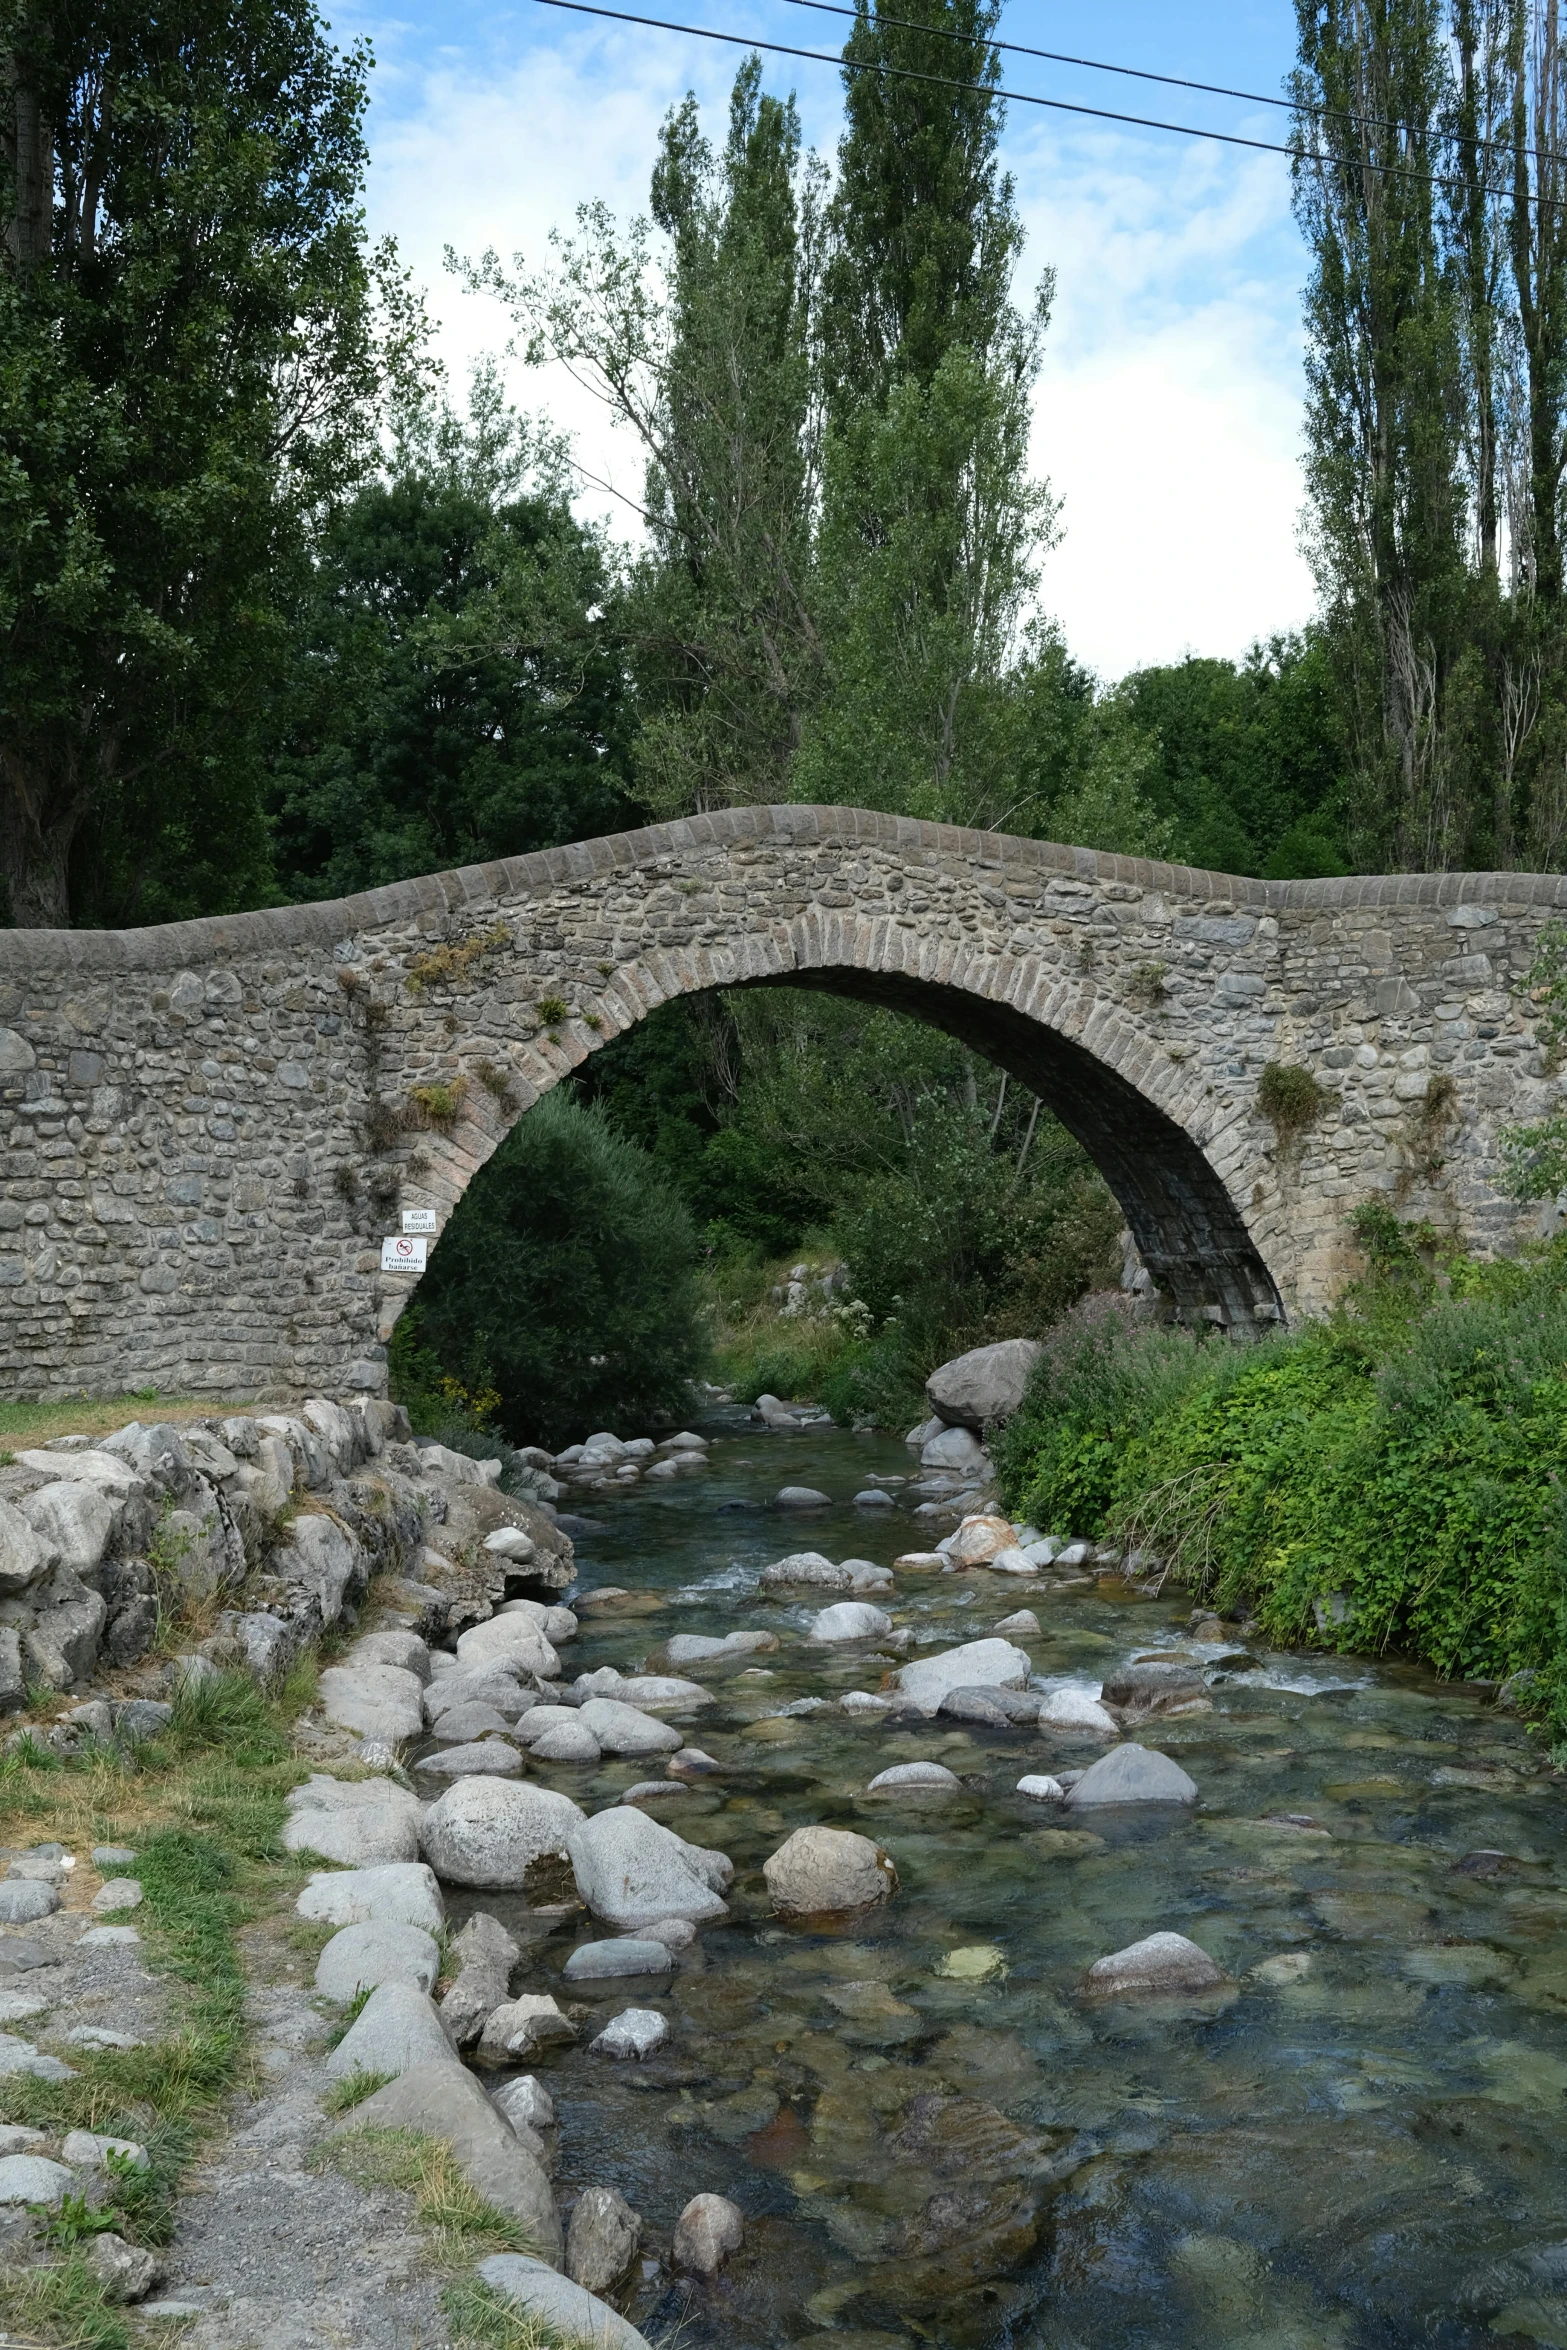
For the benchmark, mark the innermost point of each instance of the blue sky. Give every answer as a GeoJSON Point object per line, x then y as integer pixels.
{"type": "Point", "coordinates": [1168, 413]}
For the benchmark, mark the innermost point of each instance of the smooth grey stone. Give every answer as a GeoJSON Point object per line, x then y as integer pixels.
{"type": "Point", "coordinates": [983, 1386]}
{"type": "Point", "coordinates": [566, 1741]}
{"type": "Point", "coordinates": [492, 1757]}
{"type": "Point", "coordinates": [362, 1957]}
{"type": "Point", "coordinates": [544, 2293]}
{"type": "Point", "coordinates": [978, 1664]}
{"type": "Point", "coordinates": [491, 1831]}
{"type": "Point", "coordinates": [118, 1893]}
{"type": "Point", "coordinates": [124, 2272]}
{"type": "Point", "coordinates": [20, 1958]}
{"type": "Point", "coordinates": [445, 2101]}
{"type": "Point", "coordinates": [707, 2231]}
{"type": "Point", "coordinates": [20, 2056]}
{"type": "Point", "coordinates": [914, 1776]}
{"type": "Point", "coordinates": [486, 1955]}
{"type": "Point", "coordinates": [602, 2240]}
{"type": "Point", "coordinates": [360, 1822]}
{"type": "Point", "coordinates": [397, 2028]}
{"type": "Point", "coordinates": [631, 1869]}
{"type": "Point", "coordinates": [526, 2101]}
{"type": "Point", "coordinates": [636, 2032]}
{"type": "Point", "coordinates": [398, 1893]}
{"type": "Point", "coordinates": [819, 1870]}
{"type": "Point", "coordinates": [30, 2178]}
{"type": "Point", "coordinates": [1160, 1962]}
{"type": "Point", "coordinates": [23, 1903]}
{"type": "Point", "coordinates": [801, 1497]}
{"type": "Point", "coordinates": [375, 1701]}
{"type": "Point", "coordinates": [113, 1856]}
{"type": "Point", "coordinates": [1131, 1774]}
{"type": "Point", "coordinates": [849, 1619]}
{"type": "Point", "coordinates": [462, 1725]}
{"type": "Point", "coordinates": [597, 1962]}
{"type": "Point", "coordinates": [624, 1730]}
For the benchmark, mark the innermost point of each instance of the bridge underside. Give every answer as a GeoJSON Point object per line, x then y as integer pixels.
{"type": "Point", "coordinates": [1186, 1226]}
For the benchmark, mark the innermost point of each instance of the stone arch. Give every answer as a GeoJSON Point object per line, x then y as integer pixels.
{"type": "Point", "coordinates": [201, 1124]}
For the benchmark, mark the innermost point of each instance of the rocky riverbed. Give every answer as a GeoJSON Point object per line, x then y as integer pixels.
{"type": "Point", "coordinates": [820, 1937]}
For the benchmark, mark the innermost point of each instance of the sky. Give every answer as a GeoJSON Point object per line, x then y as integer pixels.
{"type": "Point", "coordinates": [1167, 417]}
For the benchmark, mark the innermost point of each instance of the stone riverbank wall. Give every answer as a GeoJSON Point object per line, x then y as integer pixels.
{"type": "Point", "coordinates": [209, 1128]}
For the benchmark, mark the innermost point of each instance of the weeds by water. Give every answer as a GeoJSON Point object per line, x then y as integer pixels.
{"type": "Point", "coordinates": [462, 2227]}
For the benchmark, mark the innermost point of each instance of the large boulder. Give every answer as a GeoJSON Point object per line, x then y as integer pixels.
{"type": "Point", "coordinates": [980, 1540]}
{"type": "Point", "coordinates": [360, 1822]}
{"type": "Point", "coordinates": [818, 1871]}
{"type": "Point", "coordinates": [956, 1451]}
{"type": "Point", "coordinates": [73, 1520]}
{"type": "Point", "coordinates": [361, 1958]}
{"type": "Point", "coordinates": [442, 2100]}
{"type": "Point", "coordinates": [515, 1643]}
{"type": "Point", "coordinates": [492, 1831]}
{"type": "Point", "coordinates": [602, 2240]}
{"type": "Point", "coordinates": [321, 1562]}
{"type": "Point", "coordinates": [850, 1619]}
{"type": "Point", "coordinates": [806, 1570]}
{"type": "Point", "coordinates": [24, 1555]}
{"type": "Point", "coordinates": [1131, 1774]}
{"type": "Point", "coordinates": [492, 1685]}
{"type": "Point", "coordinates": [400, 1893]}
{"type": "Point", "coordinates": [985, 1385]}
{"type": "Point", "coordinates": [373, 1700]}
{"type": "Point", "coordinates": [398, 2027]}
{"type": "Point", "coordinates": [979, 1664]}
{"type": "Point", "coordinates": [625, 1729]}
{"type": "Point", "coordinates": [61, 1644]}
{"type": "Point", "coordinates": [633, 1871]}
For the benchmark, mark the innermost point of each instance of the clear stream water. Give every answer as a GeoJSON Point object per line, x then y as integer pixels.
{"type": "Point", "coordinates": [1364, 2144]}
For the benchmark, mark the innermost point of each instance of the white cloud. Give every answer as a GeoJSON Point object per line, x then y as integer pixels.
{"type": "Point", "coordinates": [1168, 412]}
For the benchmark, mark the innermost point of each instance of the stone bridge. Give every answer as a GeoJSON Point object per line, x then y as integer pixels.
{"type": "Point", "coordinates": [209, 1127]}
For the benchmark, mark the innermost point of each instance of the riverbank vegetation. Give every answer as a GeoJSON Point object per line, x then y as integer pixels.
{"type": "Point", "coordinates": [1392, 1478]}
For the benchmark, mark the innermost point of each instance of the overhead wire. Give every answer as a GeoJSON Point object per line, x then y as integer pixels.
{"type": "Point", "coordinates": [909, 73]}
{"type": "Point", "coordinates": [1139, 73]}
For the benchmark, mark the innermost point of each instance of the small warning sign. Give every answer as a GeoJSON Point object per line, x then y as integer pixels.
{"type": "Point", "coordinates": [418, 1219]}
{"type": "Point", "coordinates": [402, 1255]}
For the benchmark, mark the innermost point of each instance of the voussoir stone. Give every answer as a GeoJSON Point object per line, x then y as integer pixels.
{"type": "Point", "coordinates": [444, 2101]}
{"type": "Point", "coordinates": [361, 1958]}
{"type": "Point", "coordinates": [492, 1831]}
{"type": "Point", "coordinates": [1131, 1774]}
{"type": "Point", "coordinates": [399, 1893]}
{"type": "Point", "coordinates": [632, 1870]}
{"type": "Point", "coordinates": [817, 1871]}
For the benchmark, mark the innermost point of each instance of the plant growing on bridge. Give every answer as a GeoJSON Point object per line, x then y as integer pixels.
{"type": "Point", "coordinates": [1536, 1155]}
{"type": "Point", "coordinates": [1291, 1099]}
{"type": "Point", "coordinates": [439, 1105]}
{"type": "Point", "coordinates": [448, 965]}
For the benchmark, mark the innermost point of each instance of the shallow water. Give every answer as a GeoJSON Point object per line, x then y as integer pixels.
{"type": "Point", "coordinates": [1362, 2145]}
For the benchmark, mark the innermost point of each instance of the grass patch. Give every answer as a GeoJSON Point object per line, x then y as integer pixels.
{"type": "Point", "coordinates": [354, 2088]}
{"type": "Point", "coordinates": [24, 1424]}
{"type": "Point", "coordinates": [485, 2320]}
{"type": "Point", "coordinates": [61, 2303]}
{"type": "Point", "coordinates": [350, 2016]}
{"type": "Point", "coordinates": [461, 2225]}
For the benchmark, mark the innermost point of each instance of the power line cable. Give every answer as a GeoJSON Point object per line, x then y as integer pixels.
{"type": "Point", "coordinates": [1171, 81]}
{"type": "Point", "coordinates": [908, 73]}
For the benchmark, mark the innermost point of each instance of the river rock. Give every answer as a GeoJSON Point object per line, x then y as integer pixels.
{"type": "Point", "coordinates": [122, 2272]}
{"type": "Point", "coordinates": [1040, 1787]}
{"type": "Point", "coordinates": [850, 1619]}
{"type": "Point", "coordinates": [692, 1763]}
{"type": "Point", "coordinates": [401, 1893]}
{"type": "Point", "coordinates": [650, 1692]}
{"type": "Point", "coordinates": [404, 1650]}
{"type": "Point", "coordinates": [806, 1570]}
{"type": "Point", "coordinates": [626, 1730]}
{"type": "Point", "coordinates": [1160, 1962]}
{"type": "Point", "coordinates": [465, 1725]}
{"type": "Point", "coordinates": [566, 1740]}
{"type": "Point", "coordinates": [602, 2240]}
{"type": "Point", "coordinates": [801, 1497]}
{"type": "Point", "coordinates": [514, 1643]}
{"type": "Point", "coordinates": [541, 2292]}
{"type": "Point", "coordinates": [397, 2028]}
{"type": "Point", "coordinates": [118, 1893]}
{"type": "Point", "coordinates": [707, 2231]}
{"type": "Point", "coordinates": [603, 1962]}
{"type": "Point", "coordinates": [1078, 1713]}
{"type": "Point", "coordinates": [523, 2026]}
{"type": "Point", "coordinates": [980, 1539]}
{"type": "Point", "coordinates": [868, 1576]}
{"type": "Point", "coordinates": [873, 1498]}
{"type": "Point", "coordinates": [493, 1758]}
{"type": "Point", "coordinates": [1024, 1625]}
{"type": "Point", "coordinates": [491, 1831]}
{"type": "Point", "coordinates": [20, 2056]}
{"type": "Point", "coordinates": [631, 1870]}
{"type": "Point", "coordinates": [22, 1902]}
{"type": "Point", "coordinates": [1152, 1685]}
{"type": "Point", "coordinates": [360, 1958]}
{"type": "Point", "coordinates": [486, 1954]}
{"type": "Point", "coordinates": [955, 1450]}
{"type": "Point", "coordinates": [1012, 1561]}
{"type": "Point", "coordinates": [1131, 1774]}
{"type": "Point", "coordinates": [696, 1648]}
{"type": "Point", "coordinates": [817, 1871]}
{"type": "Point", "coordinates": [980, 1664]}
{"type": "Point", "coordinates": [31, 2178]}
{"type": "Point", "coordinates": [997, 1708]}
{"type": "Point", "coordinates": [86, 2150]}
{"type": "Point", "coordinates": [913, 1777]}
{"type": "Point", "coordinates": [985, 1385]}
{"type": "Point", "coordinates": [445, 2101]}
{"type": "Point", "coordinates": [361, 1822]}
{"type": "Point", "coordinates": [636, 2032]}
{"type": "Point", "coordinates": [488, 1686]}
{"type": "Point", "coordinates": [525, 2103]}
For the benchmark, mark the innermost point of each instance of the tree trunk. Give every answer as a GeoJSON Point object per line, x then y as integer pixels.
{"type": "Point", "coordinates": [29, 231]}
{"type": "Point", "coordinates": [37, 826]}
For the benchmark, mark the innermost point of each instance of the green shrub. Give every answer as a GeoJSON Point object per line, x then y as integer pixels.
{"type": "Point", "coordinates": [564, 1292]}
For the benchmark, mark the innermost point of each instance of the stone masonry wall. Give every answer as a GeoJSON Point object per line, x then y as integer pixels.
{"type": "Point", "coordinates": [207, 1128]}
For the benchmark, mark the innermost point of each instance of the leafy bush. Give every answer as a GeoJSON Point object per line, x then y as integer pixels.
{"type": "Point", "coordinates": [566, 1287]}
{"type": "Point", "coordinates": [1407, 1459]}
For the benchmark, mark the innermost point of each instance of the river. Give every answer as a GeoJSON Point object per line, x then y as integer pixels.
{"type": "Point", "coordinates": [1358, 2141]}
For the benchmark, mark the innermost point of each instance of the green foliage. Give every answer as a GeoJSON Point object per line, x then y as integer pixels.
{"type": "Point", "coordinates": [567, 1284]}
{"type": "Point", "coordinates": [458, 694]}
{"type": "Point", "coordinates": [354, 2087]}
{"type": "Point", "coordinates": [61, 2301]}
{"type": "Point", "coordinates": [1290, 1098]}
{"type": "Point", "coordinates": [1409, 1456]}
{"type": "Point", "coordinates": [193, 340]}
{"type": "Point", "coordinates": [1536, 1155]}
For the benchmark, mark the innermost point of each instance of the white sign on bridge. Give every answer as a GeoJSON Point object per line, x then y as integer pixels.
{"type": "Point", "coordinates": [402, 1255]}
{"type": "Point", "coordinates": [418, 1219]}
